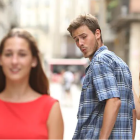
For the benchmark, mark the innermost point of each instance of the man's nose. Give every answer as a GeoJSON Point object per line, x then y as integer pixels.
{"type": "Point", "coordinates": [81, 43]}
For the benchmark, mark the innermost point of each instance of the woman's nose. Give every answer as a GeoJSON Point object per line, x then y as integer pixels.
{"type": "Point", "coordinates": [14, 59]}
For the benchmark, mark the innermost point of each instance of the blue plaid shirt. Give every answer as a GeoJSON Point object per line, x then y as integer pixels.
{"type": "Point", "coordinates": [106, 77]}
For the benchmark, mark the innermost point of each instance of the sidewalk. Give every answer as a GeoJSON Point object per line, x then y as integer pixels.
{"type": "Point", "coordinates": [137, 135]}
{"type": "Point", "coordinates": [69, 113]}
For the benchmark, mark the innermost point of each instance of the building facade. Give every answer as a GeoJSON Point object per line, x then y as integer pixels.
{"type": "Point", "coordinates": [8, 16]}
{"type": "Point", "coordinates": [124, 19]}
{"type": "Point", "coordinates": [48, 21]}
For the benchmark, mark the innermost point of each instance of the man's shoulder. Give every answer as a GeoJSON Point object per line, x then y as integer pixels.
{"type": "Point", "coordinates": [109, 58]}
{"type": "Point", "coordinates": [105, 56]}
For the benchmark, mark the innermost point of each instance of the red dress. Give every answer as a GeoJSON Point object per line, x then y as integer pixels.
{"type": "Point", "coordinates": [25, 120]}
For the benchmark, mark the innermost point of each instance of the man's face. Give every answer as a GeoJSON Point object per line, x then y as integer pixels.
{"type": "Point", "coordinates": [86, 41]}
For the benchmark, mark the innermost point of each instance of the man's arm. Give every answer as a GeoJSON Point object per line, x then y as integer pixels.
{"type": "Point", "coordinates": [106, 87]}
{"type": "Point", "coordinates": [110, 114]}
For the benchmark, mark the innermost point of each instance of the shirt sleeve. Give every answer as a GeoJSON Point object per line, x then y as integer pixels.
{"type": "Point", "coordinates": [104, 81]}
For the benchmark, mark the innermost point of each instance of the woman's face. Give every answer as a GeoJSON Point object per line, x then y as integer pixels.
{"type": "Point", "coordinates": [16, 59]}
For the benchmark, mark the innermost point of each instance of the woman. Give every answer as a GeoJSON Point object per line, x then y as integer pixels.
{"type": "Point", "coordinates": [136, 111]}
{"type": "Point", "coordinates": [137, 102]}
{"type": "Point", "coordinates": [27, 110]}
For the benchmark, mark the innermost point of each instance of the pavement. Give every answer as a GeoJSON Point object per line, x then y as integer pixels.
{"type": "Point", "coordinates": [69, 113]}
{"type": "Point", "coordinates": [137, 135]}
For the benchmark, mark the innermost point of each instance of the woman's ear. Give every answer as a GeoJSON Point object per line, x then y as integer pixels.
{"type": "Point", "coordinates": [34, 62]}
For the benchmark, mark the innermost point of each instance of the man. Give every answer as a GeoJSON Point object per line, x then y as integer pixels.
{"type": "Point", "coordinates": [106, 103]}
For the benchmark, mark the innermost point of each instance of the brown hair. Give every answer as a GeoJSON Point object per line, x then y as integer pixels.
{"type": "Point", "coordinates": [90, 21]}
{"type": "Point", "coordinates": [37, 80]}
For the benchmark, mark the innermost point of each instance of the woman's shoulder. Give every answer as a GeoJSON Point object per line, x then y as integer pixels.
{"type": "Point", "coordinates": [47, 99]}
{"type": "Point", "coordinates": [48, 103]}
{"type": "Point", "coordinates": [44, 98]}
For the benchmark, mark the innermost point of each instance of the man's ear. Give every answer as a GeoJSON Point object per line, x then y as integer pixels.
{"type": "Point", "coordinates": [97, 34]}
{"type": "Point", "coordinates": [34, 62]}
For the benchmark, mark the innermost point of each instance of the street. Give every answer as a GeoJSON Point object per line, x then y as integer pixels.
{"type": "Point", "coordinates": [70, 112]}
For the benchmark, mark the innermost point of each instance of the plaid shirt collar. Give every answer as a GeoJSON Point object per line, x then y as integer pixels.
{"type": "Point", "coordinates": [102, 48]}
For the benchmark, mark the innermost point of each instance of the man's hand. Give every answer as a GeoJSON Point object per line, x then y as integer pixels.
{"type": "Point", "coordinates": [110, 114]}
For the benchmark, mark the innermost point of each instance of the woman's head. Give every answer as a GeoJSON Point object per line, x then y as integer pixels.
{"type": "Point", "coordinates": [19, 58]}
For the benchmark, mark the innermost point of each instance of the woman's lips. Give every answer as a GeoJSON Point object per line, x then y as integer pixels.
{"type": "Point", "coordinates": [14, 70]}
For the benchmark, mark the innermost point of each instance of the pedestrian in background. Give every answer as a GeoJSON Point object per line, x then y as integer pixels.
{"type": "Point", "coordinates": [27, 110]}
{"type": "Point", "coordinates": [106, 103]}
{"type": "Point", "coordinates": [67, 81]}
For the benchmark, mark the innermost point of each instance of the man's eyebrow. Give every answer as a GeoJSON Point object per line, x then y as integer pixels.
{"type": "Point", "coordinates": [78, 35]}
{"type": "Point", "coordinates": [74, 37]}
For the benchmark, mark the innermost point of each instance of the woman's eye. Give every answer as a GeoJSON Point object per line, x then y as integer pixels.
{"type": "Point", "coordinates": [7, 54]}
{"type": "Point", "coordinates": [22, 54]}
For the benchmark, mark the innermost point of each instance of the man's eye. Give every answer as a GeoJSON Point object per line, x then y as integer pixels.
{"type": "Point", "coordinates": [76, 40]}
{"type": "Point", "coordinates": [84, 36]}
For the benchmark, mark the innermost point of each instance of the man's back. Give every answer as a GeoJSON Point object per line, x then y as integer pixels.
{"type": "Point", "coordinates": [106, 77]}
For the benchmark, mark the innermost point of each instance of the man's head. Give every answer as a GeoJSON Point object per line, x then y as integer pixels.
{"type": "Point", "coordinates": [86, 32]}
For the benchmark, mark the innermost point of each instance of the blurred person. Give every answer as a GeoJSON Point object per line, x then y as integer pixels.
{"type": "Point", "coordinates": [106, 103]}
{"type": "Point", "coordinates": [27, 109]}
{"type": "Point", "coordinates": [67, 81]}
{"type": "Point", "coordinates": [136, 112]}
{"type": "Point", "coordinates": [137, 102]}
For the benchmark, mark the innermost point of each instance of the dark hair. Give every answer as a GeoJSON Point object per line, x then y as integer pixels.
{"type": "Point", "coordinates": [90, 21]}
{"type": "Point", "coordinates": [37, 80]}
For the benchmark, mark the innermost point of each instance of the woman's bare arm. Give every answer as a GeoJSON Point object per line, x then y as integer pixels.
{"type": "Point", "coordinates": [55, 123]}
{"type": "Point", "coordinates": [137, 105]}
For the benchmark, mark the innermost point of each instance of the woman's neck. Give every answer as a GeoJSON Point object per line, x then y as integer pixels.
{"type": "Point", "coordinates": [17, 91]}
